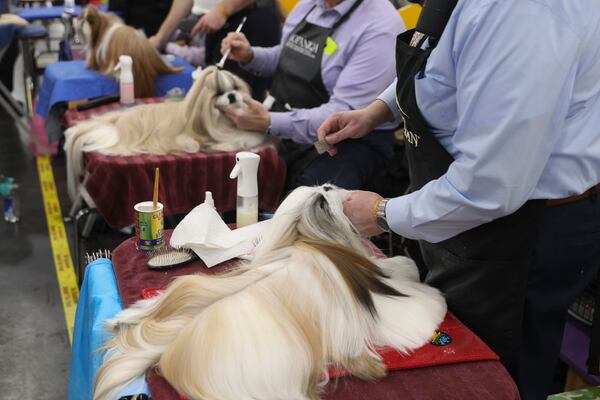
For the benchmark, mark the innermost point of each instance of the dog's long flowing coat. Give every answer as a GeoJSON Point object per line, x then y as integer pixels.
{"type": "Point", "coordinates": [194, 124]}
{"type": "Point", "coordinates": [106, 38]}
{"type": "Point", "coordinates": [311, 299]}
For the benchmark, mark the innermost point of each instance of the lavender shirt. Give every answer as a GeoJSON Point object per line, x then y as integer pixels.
{"type": "Point", "coordinates": [361, 68]}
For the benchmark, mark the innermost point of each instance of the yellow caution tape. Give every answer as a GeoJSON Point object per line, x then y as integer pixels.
{"type": "Point", "coordinates": [330, 46]}
{"type": "Point", "coordinates": [67, 282]}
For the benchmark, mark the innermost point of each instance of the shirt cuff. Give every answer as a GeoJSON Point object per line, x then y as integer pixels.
{"type": "Point", "coordinates": [397, 218]}
{"type": "Point", "coordinates": [282, 127]}
{"type": "Point", "coordinates": [259, 63]}
{"type": "Point", "coordinates": [389, 97]}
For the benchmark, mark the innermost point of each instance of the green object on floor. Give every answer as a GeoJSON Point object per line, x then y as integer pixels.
{"type": "Point", "coordinates": [583, 394]}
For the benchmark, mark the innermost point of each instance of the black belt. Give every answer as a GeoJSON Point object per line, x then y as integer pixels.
{"type": "Point", "coordinates": [593, 191]}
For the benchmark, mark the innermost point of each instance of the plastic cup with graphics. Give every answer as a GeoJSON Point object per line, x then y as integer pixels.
{"type": "Point", "coordinates": [149, 226]}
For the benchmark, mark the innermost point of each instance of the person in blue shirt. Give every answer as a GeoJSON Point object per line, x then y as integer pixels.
{"type": "Point", "coordinates": [502, 130]}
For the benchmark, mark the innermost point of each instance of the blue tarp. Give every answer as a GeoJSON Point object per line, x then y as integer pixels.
{"type": "Point", "coordinates": [99, 300]}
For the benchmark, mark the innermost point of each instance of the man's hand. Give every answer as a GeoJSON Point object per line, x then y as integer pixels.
{"type": "Point", "coordinates": [353, 124]}
{"type": "Point", "coordinates": [255, 117]}
{"type": "Point", "coordinates": [157, 42]}
{"type": "Point", "coordinates": [241, 50]}
{"type": "Point", "coordinates": [211, 22]}
{"type": "Point", "coordinates": [359, 207]}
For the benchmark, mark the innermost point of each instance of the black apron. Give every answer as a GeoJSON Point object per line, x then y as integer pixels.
{"type": "Point", "coordinates": [298, 84]}
{"type": "Point", "coordinates": [482, 272]}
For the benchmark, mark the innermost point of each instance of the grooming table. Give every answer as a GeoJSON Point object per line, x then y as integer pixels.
{"type": "Point", "coordinates": [482, 380]}
{"type": "Point", "coordinates": [70, 80]}
{"type": "Point", "coordinates": [46, 13]}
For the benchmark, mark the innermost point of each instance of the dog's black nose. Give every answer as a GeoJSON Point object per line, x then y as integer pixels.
{"type": "Point", "coordinates": [231, 98]}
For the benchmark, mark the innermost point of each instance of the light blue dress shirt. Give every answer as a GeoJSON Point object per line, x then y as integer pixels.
{"type": "Point", "coordinates": [512, 91]}
{"type": "Point", "coordinates": [361, 67]}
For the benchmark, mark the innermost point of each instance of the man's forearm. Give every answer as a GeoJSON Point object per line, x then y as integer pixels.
{"type": "Point", "coordinates": [179, 10]}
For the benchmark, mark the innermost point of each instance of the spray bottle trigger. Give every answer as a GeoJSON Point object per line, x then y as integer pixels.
{"type": "Point", "coordinates": [235, 172]}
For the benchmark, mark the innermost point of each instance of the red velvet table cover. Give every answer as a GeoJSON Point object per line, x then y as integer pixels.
{"type": "Point", "coordinates": [480, 380]}
{"type": "Point", "coordinates": [116, 184]}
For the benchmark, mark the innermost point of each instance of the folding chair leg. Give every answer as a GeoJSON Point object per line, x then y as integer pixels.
{"type": "Point", "coordinates": [76, 243]}
{"type": "Point", "coordinates": [89, 224]}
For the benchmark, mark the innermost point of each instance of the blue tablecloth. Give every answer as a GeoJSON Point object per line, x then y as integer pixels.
{"type": "Point", "coordinates": [71, 80]}
{"type": "Point", "coordinates": [7, 33]}
{"type": "Point", "coordinates": [99, 300]}
{"type": "Point", "coordinates": [55, 12]}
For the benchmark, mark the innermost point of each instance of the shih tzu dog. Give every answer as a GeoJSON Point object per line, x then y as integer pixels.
{"type": "Point", "coordinates": [311, 299]}
{"type": "Point", "coordinates": [106, 38]}
{"type": "Point", "coordinates": [192, 125]}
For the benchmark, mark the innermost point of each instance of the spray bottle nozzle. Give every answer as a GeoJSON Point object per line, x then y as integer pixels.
{"type": "Point", "coordinates": [125, 62]}
{"type": "Point", "coordinates": [246, 171]}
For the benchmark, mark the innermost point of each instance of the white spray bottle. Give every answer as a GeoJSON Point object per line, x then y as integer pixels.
{"type": "Point", "coordinates": [246, 172]}
{"type": "Point", "coordinates": [69, 6]}
{"type": "Point", "coordinates": [126, 79]}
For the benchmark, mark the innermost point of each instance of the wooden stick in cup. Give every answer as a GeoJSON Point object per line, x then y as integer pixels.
{"type": "Point", "coordinates": [155, 195]}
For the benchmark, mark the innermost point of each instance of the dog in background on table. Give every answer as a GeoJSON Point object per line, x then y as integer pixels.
{"type": "Point", "coordinates": [192, 125]}
{"type": "Point", "coordinates": [106, 37]}
{"type": "Point", "coordinates": [311, 299]}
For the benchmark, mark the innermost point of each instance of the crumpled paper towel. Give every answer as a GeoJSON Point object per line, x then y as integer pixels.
{"type": "Point", "coordinates": [203, 231]}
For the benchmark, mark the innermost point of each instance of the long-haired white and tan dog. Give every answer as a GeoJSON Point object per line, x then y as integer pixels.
{"type": "Point", "coordinates": [192, 125]}
{"type": "Point", "coordinates": [106, 38]}
{"type": "Point", "coordinates": [311, 299]}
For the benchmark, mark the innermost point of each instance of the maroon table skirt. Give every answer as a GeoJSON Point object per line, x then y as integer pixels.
{"type": "Point", "coordinates": [116, 184]}
{"type": "Point", "coordinates": [481, 380]}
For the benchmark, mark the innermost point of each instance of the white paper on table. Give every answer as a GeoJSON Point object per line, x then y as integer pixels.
{"type": "Point", "coordinates": [203, 231]}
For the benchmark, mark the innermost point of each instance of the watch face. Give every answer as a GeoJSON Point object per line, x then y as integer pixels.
{"type": "Point", "coordinates": [381, 222]}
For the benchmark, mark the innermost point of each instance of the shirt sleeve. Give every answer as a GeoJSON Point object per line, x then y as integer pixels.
{"type": "Point", "coordinates": [265, 61]}
{"type": "Point", "coordinates": [367, 71]}
{"type": "Point", "coordinates": [389, 98]}
{"type": "Point", "coordinates": [513, 85]}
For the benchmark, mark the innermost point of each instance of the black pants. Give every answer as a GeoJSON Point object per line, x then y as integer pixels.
{"type": "Point", "coordinates": [353, 167]}
{"type": "Point", "coordinates": [566, 259]}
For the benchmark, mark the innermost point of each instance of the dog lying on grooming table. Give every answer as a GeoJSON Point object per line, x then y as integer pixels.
{"type": "Point", "coordinates": [192, 125]}
{"type": "Point", "coordinates": [311, 299]}
{"type": "Point", "coordinates": [106, 37]}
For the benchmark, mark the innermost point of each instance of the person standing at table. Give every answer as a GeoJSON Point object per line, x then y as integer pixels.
{"type": "Point", "coordinates": [331, 58]}
{"type": "Point", "coordinates": [502, 118]}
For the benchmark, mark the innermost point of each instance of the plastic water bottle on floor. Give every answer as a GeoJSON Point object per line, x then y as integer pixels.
{"type": "Point", "coordinates": [10, 200]}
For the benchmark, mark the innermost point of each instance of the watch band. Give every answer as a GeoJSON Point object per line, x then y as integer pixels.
{"type": "Point", "coordinates": [381, 216]}
{"type": "Point", "coordinates": [221, 9]}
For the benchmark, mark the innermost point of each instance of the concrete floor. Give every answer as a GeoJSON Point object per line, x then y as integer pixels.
{"type": "Point", "coordinates": [34, 344]}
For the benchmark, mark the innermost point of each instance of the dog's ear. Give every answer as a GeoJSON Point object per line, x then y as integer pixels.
{"type": "Point", "coordinates": [98, 24]}
{"type": "Point", "coordinates": [323, 218]}
{"type": "Point", "coordinates": [91, 13]}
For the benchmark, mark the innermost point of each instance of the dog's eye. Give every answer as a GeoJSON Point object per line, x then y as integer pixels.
{"type": "Point", "coordinates": [327, 188]}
